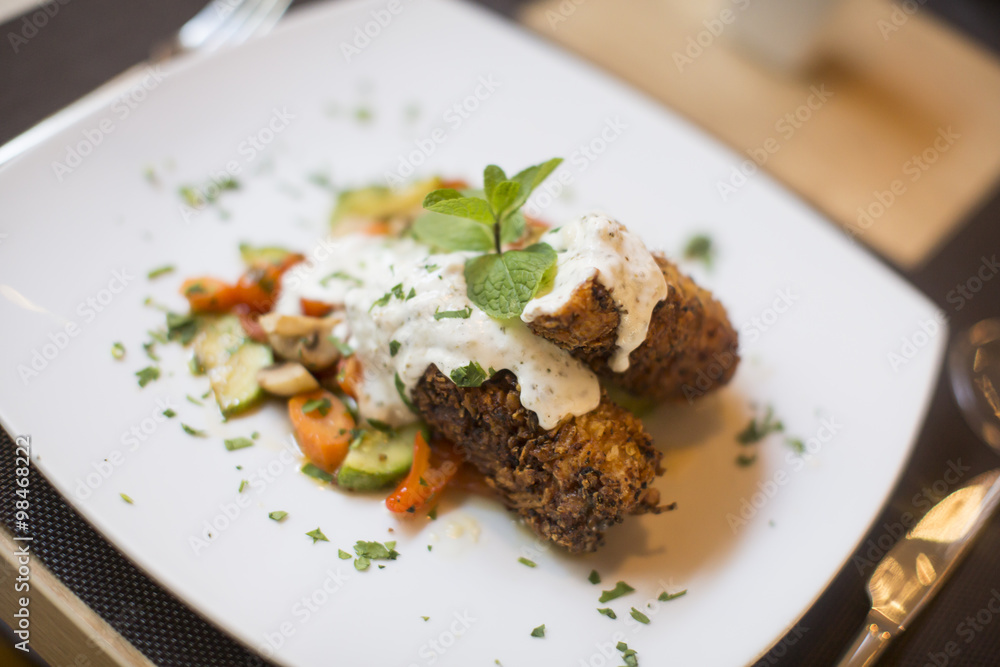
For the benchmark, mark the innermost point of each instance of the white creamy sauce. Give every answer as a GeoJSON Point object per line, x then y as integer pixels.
{"type": "Point", "coordinates": [596, 245]}
{"type": "Point", "coordinates": [360, 270]}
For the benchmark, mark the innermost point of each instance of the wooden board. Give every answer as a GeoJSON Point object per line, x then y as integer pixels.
{"type": "Point", "coordinates": [894, 130]}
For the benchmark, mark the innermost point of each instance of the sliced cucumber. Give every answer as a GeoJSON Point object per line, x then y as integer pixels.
{"type": "Point", "coordinates": [378, 459]}
{"type": "Point", "coordinates": [263, 255]}
{"type": "Point", "coordinates": [378, 202]}
{"type": "Point", "coordinates": [217, 339]}
{"type": "Point", "coordinates": [232, 362]}
{"type": "Point", "coordinates": [235, 382]}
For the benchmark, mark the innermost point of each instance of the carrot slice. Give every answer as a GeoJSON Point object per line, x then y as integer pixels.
{"type": "Point", "coordinates": [312, 308]}
{"type": "Point", "coordinates": [208, 295]}
{"type": "Point", "coordinates": [349, 376]}
{"type": "Point", "coordinates": [324, 432]}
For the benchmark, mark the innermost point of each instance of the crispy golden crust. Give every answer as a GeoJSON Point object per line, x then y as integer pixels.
{"type": "Point", "coordinates": [569, 484]}
{"type": "Point", "coordinates": [690, 348]}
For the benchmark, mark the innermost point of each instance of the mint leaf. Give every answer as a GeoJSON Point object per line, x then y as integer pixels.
{"type": "Point", "coordinates": [503, 197]}
{"type": "Point", "coordinates": [512, 227]}
{"type": "Point", "coordinates": [492, 176]}
{"type": "Point", "coordinates": [501, 285]}
{"type": "Point", "coordinates": [441, 195]}
{"type": "Point", "coordinates": [532, 177]}
{"type": "Point", "coordinates": [472, 208]}
{"type": "Point", "coordinates": [472, 375]}
{"type": "Point", "coordinates": [451, 233]}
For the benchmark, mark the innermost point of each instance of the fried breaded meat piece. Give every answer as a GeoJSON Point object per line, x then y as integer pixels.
{"type": "Point", "coordinates": [690, 348]}
{"type": "Point", "coordinates": [569, 484]}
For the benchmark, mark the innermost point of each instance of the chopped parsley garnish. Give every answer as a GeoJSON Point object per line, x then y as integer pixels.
{"type": "Point", "coordinates": [594, 578]}
{"type": "Point", "coordinates": [126, 498]}
{"type": "Point", "coordinates": [343, 555]}
{"type": "Point", "coordinates": [630, 656]}
{"type": "Point", "coordinates": [608, 611]}
{"type": "Point", "coordinates": [317, 536]}
{"type": "Point", "coordinates": [118, 351]}
{"type": "Point", "coordinates": [232, 444]}
{"type": "Point", "coordinates": [277, 516]}
{"type": "Point", "coordinates": [524, 561]}
{"type": "Point", "coordinates": [361, 563]}
{"type": "Point", "coordinates": [401, 388]}
{"type": "Point", "coordinates": [412, 293]}
{"type": "Point", "coordinates": [147, 375]}
{"type": "Point", "coordinates": [376, 550]}
{"type": "Point", "coordinates": [745, 461]}
{"type": "Point", "coordinates": [169, 413]}
{"type": "Point", "coordinates": [316, 473]}
{"type": "Point", "coordinates": [340, 275]}
{"type": "Point", "coordinates": [181, 327]}
{"type": "Point", "coordinates": [321, 405]}
{"type": "Point", "coordinates": [396, 291]}
{"type": "Point", "coordinates": [426, 618]}
{"type": "Point", "coordinates": [699, 248]}
{"type": "Point", "coordinates": [667, 597]}
{"type": "Point", "coordinates": [797, 445]}
{"type": "Point", "coordinates": [192, 399]}
{"type": "Point", "coordinates": [158, 335]}
{"type": "Point", "coordinates": [193, 431]}
{"type": "Point", "coordinates": [394, 346]}
{"type": "Point", "coordinates": [639, 616]}
{"type": "Point", "coordinates": [455, 314]}
{"type": "Point", "coordinates": [430, 267]}
{"type": "Point", "coordinates": [756, 430]}
{"type": "Point", "coordinates": [620, 589]}
{"type": "Point", "coordinates": [161, 271]}
{"type": "Point", "coordinates": [379, 425]}
{"type": "Point", "coordinates": [539, 631]}
{"type": "Point", "coordinates": [432, 515]}
{"type": "Point", "coordinates": [243, 484]}
{"type": "Point", "coordinates": [342, 347]}
{"type": "Point", "coordinates": [472, 375]}
{"type": "Point", "coordinates": [149, 349]}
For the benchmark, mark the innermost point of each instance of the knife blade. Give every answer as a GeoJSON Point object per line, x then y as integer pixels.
{"type": "Point", "coordinates": [909, 576]}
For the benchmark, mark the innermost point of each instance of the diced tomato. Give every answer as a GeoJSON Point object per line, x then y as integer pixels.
{"type": "Point", "coordinates": [377, 228]}
{"type": "Point", "coordinates": [311, 308]}
{"type": "Point", "coordinates": [208, 295]}
{"type": "Point", "coordinates": [425, 480]}
{"type": "Point", "coordinates": [323, 434]}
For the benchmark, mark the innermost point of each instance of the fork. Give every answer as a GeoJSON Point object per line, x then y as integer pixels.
{"type": "Point", "coordinates": [220, 23]}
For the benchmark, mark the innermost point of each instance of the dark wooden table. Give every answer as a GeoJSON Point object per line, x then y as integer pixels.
{"type": "Point", "coordinates": [88, 41]}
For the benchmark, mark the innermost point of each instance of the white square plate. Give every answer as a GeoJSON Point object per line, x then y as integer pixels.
{"type": "Point", "coordinates": [754, 546]}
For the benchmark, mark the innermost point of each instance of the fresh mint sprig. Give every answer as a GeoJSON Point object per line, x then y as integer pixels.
{"type": "Point", "coordinates": [499, 282]}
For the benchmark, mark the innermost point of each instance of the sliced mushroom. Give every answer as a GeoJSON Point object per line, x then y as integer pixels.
{"type": "Point", "coordinates": [287, 379]}
{"type": "Point", "coordinates": [302, 339]}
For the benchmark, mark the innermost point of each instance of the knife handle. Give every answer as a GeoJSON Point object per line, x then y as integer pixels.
{"type": "Point", "coordinates": [869, 644]}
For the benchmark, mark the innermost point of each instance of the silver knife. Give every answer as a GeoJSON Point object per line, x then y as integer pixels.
{"type": "Point", "coordinates": [913, 570]}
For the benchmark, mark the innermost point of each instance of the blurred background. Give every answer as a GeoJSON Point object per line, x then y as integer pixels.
{"type": "Point", "coordinates": [883, 115]}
